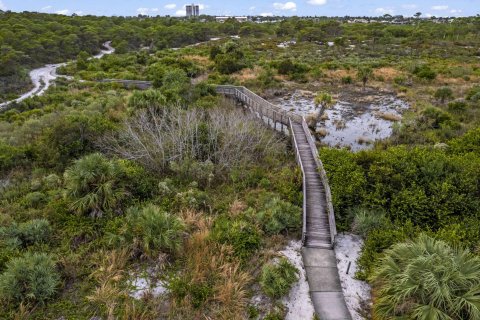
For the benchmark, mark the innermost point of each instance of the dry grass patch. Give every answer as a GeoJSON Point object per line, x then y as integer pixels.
{"type": "Point", "coordinates": [248, 74]}
{"type": "Point", "coordinates": [339, 74]}
{"type": "Point", "coordinates": [389, 116]}
{"type": "Point", "coordinates": [212, 284]}
{"type": "Point", "coordinates": [198, 59]}
{"type": "Point", "coordinates": [321, 132]}
{"type": "Point", "coordinates": [387, 73]}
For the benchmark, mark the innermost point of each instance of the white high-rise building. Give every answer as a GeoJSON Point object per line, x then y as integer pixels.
{"type": "Point", "coordinates": [193, 10]}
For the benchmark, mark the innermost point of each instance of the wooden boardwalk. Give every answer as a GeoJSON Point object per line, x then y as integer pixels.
{"type": "Point", "coordinates": [319, 227]}
{"type": "Point", "coordinates": [317, 224]}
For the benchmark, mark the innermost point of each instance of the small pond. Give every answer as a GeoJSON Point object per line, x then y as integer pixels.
{"type": "Point", "coordinates": [355, 121]}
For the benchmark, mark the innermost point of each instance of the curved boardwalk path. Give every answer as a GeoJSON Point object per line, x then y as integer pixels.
{"type": "Point", "coordinates": [319, 228]}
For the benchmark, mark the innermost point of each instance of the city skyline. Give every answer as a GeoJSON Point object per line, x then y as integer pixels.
{"type": "Point", "coordinates": [253, 8]}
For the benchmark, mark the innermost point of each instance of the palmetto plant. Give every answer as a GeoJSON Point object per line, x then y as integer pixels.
{"type": "Point", "coordinates": [427, 279]}
{"type": "Point", "coordinates": [92, 185]}
{"type": "Point", "coordinates": [323, 100]}
{"type": "Point", "coordinates": [152, 230]}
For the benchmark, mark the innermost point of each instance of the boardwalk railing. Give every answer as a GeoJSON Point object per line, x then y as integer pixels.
{"type": "Point", "coordinates": [274, 115]}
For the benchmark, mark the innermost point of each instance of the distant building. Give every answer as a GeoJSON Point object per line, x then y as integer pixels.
{"type": "Point", "coordinates": [225, 18]}
{"type": "Point", "coordinates": [193, 10]}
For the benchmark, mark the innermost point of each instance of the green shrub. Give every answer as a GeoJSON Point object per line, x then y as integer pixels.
{"type": "Point", "coordinates": [433, 117]}
{"type": "Point", "coordinates": [376, 243]}
{"type": "Point", "coordinates": [457, 106]}
{"type": "Point", "coordinates": [427, 279]}
{"type": "Point", "coordinates": [25, 234]}
{"type": "Point", "coordinates": [35, 199]}
{"type": "Point", "coordinates": [92, 185]}
{"type": "Point", "coordinates": [400, 80]}
{"type": "Point", "coordinates": [32, 277]}
{"type": "Point", "coordinates": [34, 231]}
{"type": "Point", "coordinates": [278, 216]}
{"type": "Point", "coordinates": [424, 72]}
{"type": "Point", "coordinates": [473, 95]}
{"type": "Point", "coordinates": [276, 280]}
{"type": "Point", "coordinates": [347, 80]}
{"type": "Point", "coordinates": [243, 236]}
{"type": "Point", "coordinates": [365, 221]}
{"type": "Point", "coordinates": [443, 94]}
{"type": "Point", "coordinates": [192, 199]}
{"type": "Point", "coordinates": [151, 230]}
{"type": "Point", "coordinates": [147, 99]}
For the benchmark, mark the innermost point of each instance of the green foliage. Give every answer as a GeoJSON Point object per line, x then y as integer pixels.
{"type": "Point", "coordinates": [469, 142]}
{"type": "Point", "coordinates": [192, 198]}
{"type": "Point", "coordinates": [443, 94]}
{"type": "Point", "coordinates": [376, 243]}
{"type": "Point", "coordinates": [277, 279]}
{"type": "Point", "coordinates": [424, 72]}
{"type": "Point", "coordinates": [433, 117]}
{"type": "Point", "coordinates": [244, 237]}
{"type": "Point", "coordinates": [278, 216]}
{"type": "Point", "coordinates": [230, 59]}
{"type": "Point", "coordinates": [457, 106]}
{"type": "Point", "coordinates": [347, 80]}
{"type": "Point", "coordinates": [92, 185]}
{"type": "Point", "coordinates": [151, 230]}
{"type": "Point", "coordinates": [27, 233]}
{"type": "Point", "coordinates": [427, 279]}
{"type": "Point", "coordinates": [365, 221]}
{"type": "Point", "coordinates": [364, 73]}
{"type": "Point", "coordinates": [146, 99]}
{"type": "Point", "coordinates": [30, 278]}
{"type": "Point", "coordinates": [347, 181]}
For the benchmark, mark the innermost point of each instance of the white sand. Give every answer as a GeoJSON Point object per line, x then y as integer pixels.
{"type": "Point", "coordinates": [357, 293]}
{"type": "Point", "coordinates": [144, 284]}
{"type": "Point", "coordinates": [298, 301]}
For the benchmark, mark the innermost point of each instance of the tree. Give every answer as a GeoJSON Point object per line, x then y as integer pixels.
{"type": "Point", "coordinates": [323, 100]}
{"type": "Point", "coordinates": [82, 60]}
{"type": "Point", "coordinates": [427, 279]}
{"type": "Point", "coordinates": [443, 94]}
{"type": "Point", "coordinates": [417, 15]}
{"type": "Point", "coordinates": [364, 73]}
{"type": "Point", "coordinates": [92, 185]}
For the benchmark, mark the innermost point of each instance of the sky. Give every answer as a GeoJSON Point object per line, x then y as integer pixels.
{"type": "Point", "coordinates": [428, 8]}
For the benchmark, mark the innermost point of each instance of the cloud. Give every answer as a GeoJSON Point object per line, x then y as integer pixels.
{"type": "Point", "coordinates": [383, 11]}
{"type": "Point", "coordinates": [142, 11]}
{"type": "Point", "coordinates": [147, 11]}
{"type": "Point", "coordinates": [47, 8]}
{"type": "Point", "coordinates": [2, 6]}
{"type": "Point", "coordinates": [64, 12]}
{"type": "Point", "coordinates": [440, 8]}
{"type": "Point", "coordinates": [252, 8]}
{"type": "Point", "coordinates": [455, 11]}
{"type": "Point", "coordinates": [292, 6]}
{"type": "Point", "coordinates": [266, 14]}
{"type": "Point", "coordinates": [170, 6]}
{"type": "Point", "coordinates": [181, 12]}
{"type": "Point", "coordinates": [317, 2]}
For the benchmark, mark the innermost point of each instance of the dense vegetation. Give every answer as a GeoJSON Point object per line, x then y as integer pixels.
{"type": "Point", "coordinates": [102, 184]}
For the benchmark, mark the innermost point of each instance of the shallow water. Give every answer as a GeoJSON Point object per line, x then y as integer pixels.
{"type": "Point", "coordinates": [351, 124]}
